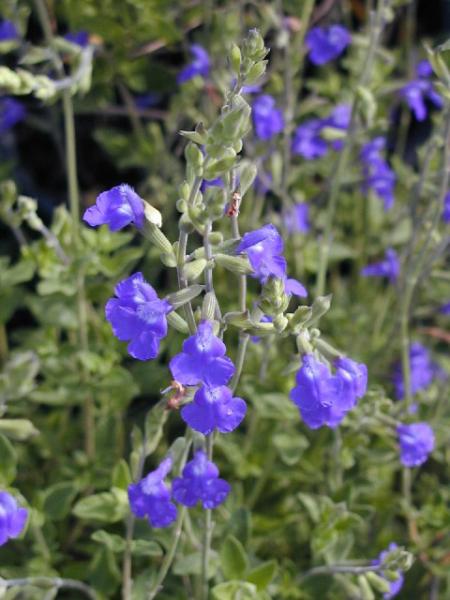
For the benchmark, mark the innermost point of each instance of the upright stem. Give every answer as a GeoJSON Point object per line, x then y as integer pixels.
{"type": "Point", "coordinates": [73, 192]}
{"type": "Point", "coordinates": [207, 533]}
{"type": "Point", "coordinates": [376, 28]}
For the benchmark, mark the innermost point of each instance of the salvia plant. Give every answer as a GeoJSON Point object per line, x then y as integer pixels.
{"type": "Point", "coordinates": [224, 368]}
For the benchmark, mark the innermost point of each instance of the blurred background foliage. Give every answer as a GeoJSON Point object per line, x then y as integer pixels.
{"type": "Point", "coordinates": [300, 498]}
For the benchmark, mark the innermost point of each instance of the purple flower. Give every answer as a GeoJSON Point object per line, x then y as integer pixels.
{"type": "Point", "coordinates": [389, 267]}
{"type": "Point", "coordinates": [80, 38]}
{"type": "Point", "coordinates": [446, 211]}
{"type": "Point", "coordinates": [8, 31]}
{"type": "Point", "coordinates": [202, 360]}
{"type": "Point", "coordinates": [200, 482]}
{"type": "Point", "coordinates": [137, 315]}
{"type": "Point", "coordinates": [214, 408]}
{"type": "Point", "coordinates": [418, 91]}
{"type": "Point", "coordinates": [12, 518]}
{"type": "Point", "coordinates": [118, 207]}
{"type": "Point", "coordinates": [326, 43]}
{"type": "Point", "coordinates": [11, 112]}
{"type": "Point", "coordinates": [267, 118]}
{"type": "Point", "coordinates": [200, 64]}
{"type": "Point", "coordinates": [150, 497]}
{"type": "Point", "coordinates": [308, 141]}
{"type": "Point", "coordinates": [264, 248]}
{"type": "Point", "coordinates": [218, 182]}
{"type": "Point", "coordinates": [422, 370]}
{"type": "Point", "coordinates": [416, 443]}
{"type": "Point", "coordinates": [323, 398]}
{"type": "Point", "coordinates": [315, 392]}
{"type": "Point", "coordinates": [296, 219]}
{"type": "Point", "coordinates": [353, 378]}
{"type": "Point", "coordinates": [378, 176]}
{"type": "Point", "coordinates": [395, 586]}
{"type": "Point", "coordinates": [445, 309]}
{"type": "Point", "coordinates": [293, 287]}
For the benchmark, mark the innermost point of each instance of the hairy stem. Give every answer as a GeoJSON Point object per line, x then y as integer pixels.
{"type": "Point", "coordinates": [207, 533]}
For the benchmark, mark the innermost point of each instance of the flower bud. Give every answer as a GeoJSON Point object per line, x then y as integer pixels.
{"type": "Point", "coordinates": [253, 46]}
{"type": "Point", "coordinates": [185, 224]}
{"type": "Point", "coordinates": [320, 306]}
{"type": "Point", "coordinates": [181, 205]}
{"type": "Point", "coordinates": [280, 323]}
{"type": "Point", "coordinates": [152, 214]}
{"type": "Point", "coordinates": [168, 260]}
{"type": "Point", "coordinates": [184, 295]}
{"type": "Point", "coordinates": [177, 322]}
{"type": "Point", "coordinates": [255, 72]}
{"type": "Point", "coordinates": [209, 306]}
{"type": "Point", "coordinates": [235, 264]}
{"type": "Point", "coordinates": [365, 589]}
{"type": "Point", "coordinates": [215, 238]}
{"type": "Point", "coordinates": [247, 173]}
{"type": "Point", "coordinates": [193, 270]}
{"type": "Point", "coordinates": [235, 59]}
{"type": "Point", "coordinates": [217, 167]}
{"type": "Point", "coordinates": [157, 237]}
{"type": "Point", "coordinates": [300, 317]}
{"type": "Point", "coordinates": [378, 583]}
{"type": "Point", "coordinates": [194, 158]}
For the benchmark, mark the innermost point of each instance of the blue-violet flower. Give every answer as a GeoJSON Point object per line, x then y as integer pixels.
{"type": "Point", "coordinates": [416, 443]}
{"type": "Point", "coordinates": [200, 482]}
{"type": "Point", "coordinates": [12, 518]}
{"type": "Point", "coordinates": [8, 31]}
{"type": "Point", "coordinates": [395, 586]}
{"type": "Point", "coordinates": [151, 497]}
{"type": "Point", "coordinates": [137, 315]}
{"type": "Point", "coordinates": [11, 112]}
{"type": "Point", "coordinates": [388, 267]}
{"type": "Point", "coordinates": [326, 43]}
{"type": "Point", "coordinates": [202, 360]}
{"type": "Point", "coordinates": [118, 207]}
{"type": "Point", "coordinates": [200, 64]}
{"type": "Point", "coordinates": [377, 174]}
{"type": "Point", "coordinates": [214, 408]}
{"type": "Point", "coordinates": [416, 92]}
{"type": "Point", "coordinates": [267, 118]}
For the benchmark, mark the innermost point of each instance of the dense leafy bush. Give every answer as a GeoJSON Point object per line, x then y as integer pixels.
{"type": "Point", "coordinates": [224, 301]}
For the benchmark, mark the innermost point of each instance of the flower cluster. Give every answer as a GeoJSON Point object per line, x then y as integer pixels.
{"type": "Point", "coordinates": [309, 137]}
{"type": "Point", "coordinates": [377, 174]}
{"type": "Point", "coordinates": [417, 92]}
{"type": "Point", "coordinates": [118, 207]}
{"type": "Point", "coordinates": [323, 398]}
{"type": "Point", "coordinates": [151, 497]}
{"type": "Point", "coordinates": [12, 518]}
{"type": "Point", "coordinates": [200, 64]}
{"type": "Point", "coordinates": [138, 316]}
{"type": "Point", "coordinates": [388, 267]}
{"type": "Point", "coordinates": [11, 113]}
{"type": "Point", "coordinates": [264, 248]}
{"type": "Point", "coordinates": [203, 362]}
{"type": "Point", "coordinates": [326, 43]}
{"type": "Point", "coordinates": [422, 371]}
{"type": "Point", "coordinates": [416, 443]}
{"type": "Point", "coordinates": [267, 118]}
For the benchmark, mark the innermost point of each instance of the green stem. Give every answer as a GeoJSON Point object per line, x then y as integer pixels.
{"type": "Point", "coordinates": [207, 533]}
{"type": "Point", "coordinates": [4, 349]}
{"type": "Point", "coordinates": [376, 28]}
{"type": "Point", "coordinates": [51, 582]}
{"type": "Point", "coordinates": [73, 192]}
{"type": "Point", "coordinates": [240, 358]}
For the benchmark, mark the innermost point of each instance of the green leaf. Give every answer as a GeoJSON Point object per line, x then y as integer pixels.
{"type": "Point", "coordinates": [8, 461]}
{"type": "Point", "coordinates": [58, 500]}
{"type": "Point", "coordinates": [263, 574]}
{"type": "Point", "coordinates": [107, 507]}
{"type": "Point", "coordinates": [113, 542]}
{"type": "Point", "coordinates": [233, 559]}
{"type": "Point", "coordinates": [191, 564]}
{"type": "Point", "coordinates": [104, 573]}
{"type": "Point", "coordinates": [18, 429]}
{"type": "Point", "coordinates": [145, 548]}
{"type": "Point", "coordinates": [121, 476]}
{"type": "Point", "coordinates": [234, 590]}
